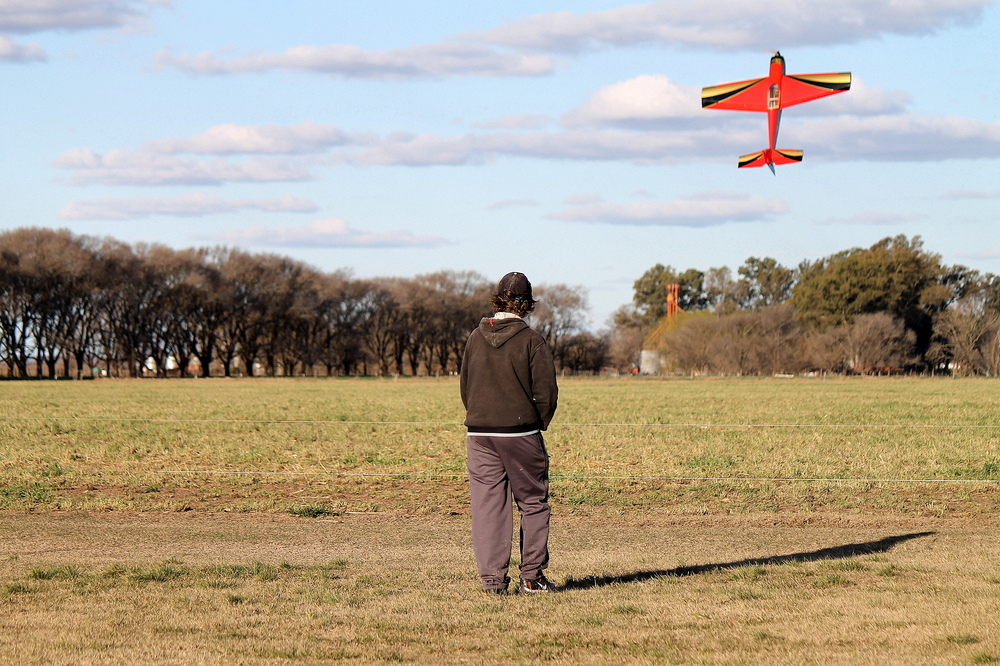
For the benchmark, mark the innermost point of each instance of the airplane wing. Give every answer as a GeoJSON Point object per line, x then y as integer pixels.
{"type": "Point", "coordinates": [748, 95]}
{"type": "Point", "coordinates": [799, 88]}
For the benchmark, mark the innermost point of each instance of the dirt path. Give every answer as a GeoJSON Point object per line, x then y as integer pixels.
{"type": "Point", "coordinates": [222, 588]}
{"type": "Point", "coordinates": [103, 538]}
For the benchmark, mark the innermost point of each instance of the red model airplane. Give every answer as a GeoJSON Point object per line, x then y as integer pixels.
{"type": "Point", "coordinates": [770, 95]}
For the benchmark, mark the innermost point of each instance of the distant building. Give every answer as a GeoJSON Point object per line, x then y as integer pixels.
{"type": "Point", "coordinates": [651, 356]}
{"type": "Point", "coordinates": [650, 361]}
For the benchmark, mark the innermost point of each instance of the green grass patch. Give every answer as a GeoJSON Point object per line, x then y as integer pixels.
{"type": "Point", "coordinates": [28, 495]}
{"type": "Point", "coordinates": [161, 573]}
{"type": "Point", "coordinates": [962, 639]}
{"type": "Point", "coordinates": [319, 447]}
{"type": "Point", "coordinates": [313, 511]}
{"type": "Point", "coordinates": [64, 572]}
{"type": "Point", "coordinates": [17, 588]}
{"type": "Point", "coordinates": [833, 580]}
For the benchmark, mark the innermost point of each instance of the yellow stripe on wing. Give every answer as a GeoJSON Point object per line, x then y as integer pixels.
{"type": "Point", "coordinates": [712, 95]}
{"type": "Point", "coordinates": [835, 81]}
{"type": "Point", "coordinates": [748, 160]}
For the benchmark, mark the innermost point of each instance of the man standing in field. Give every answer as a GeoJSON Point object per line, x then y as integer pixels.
{"type": "Point", "coordinates": [509, 390]}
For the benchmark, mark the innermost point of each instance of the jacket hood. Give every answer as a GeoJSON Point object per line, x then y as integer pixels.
{"type": "Point", "coordinates": [498, 331]}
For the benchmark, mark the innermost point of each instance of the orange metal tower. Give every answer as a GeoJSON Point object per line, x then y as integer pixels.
{"type": "Point", "coordinates": [673, 300]}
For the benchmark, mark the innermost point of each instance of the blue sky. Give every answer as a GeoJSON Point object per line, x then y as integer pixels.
{"type": "Point", "coordinates": [561, 139]}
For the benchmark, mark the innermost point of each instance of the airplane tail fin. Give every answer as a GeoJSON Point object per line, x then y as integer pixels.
{"type": "Point", "coordinates": [770, 158]}
{"type": "Point", "coordinates": [754, 159]}
{"type": "Point", "coordinates": [786, 156]}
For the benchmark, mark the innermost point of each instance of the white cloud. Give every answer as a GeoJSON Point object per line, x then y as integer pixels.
{"type": "Point", "coordinates": [511, 203]}
{"type": "Point", "coordinates": [401, 148]}
{"type": "Point", "coordinates": [886, 137]}
{"type": "Point", "coordinates": [860, 100]}
{"type": "Point", "coordinates": [584, 199]}
{"type": "Point", "coordinates": [11, 51]}
{"type": "Point", "coordinates": [895, 138]}
{"type": "Point", "coordinates": [187, 205]}
{"type": "Point", "coordinates": [347, 61]}
{"type": "Point", "coordinates": [325, 233]}
{"type": "Point", "coordinates": [27, 16]}
{"type": "Point", "coordinates": [992, 253]}
{"type": "Point", "coordinates": [118, 167]}
{"type": "Point", "coordinates": [699, 210]}
{"type": "Point", "coordinates": [749, 24]}
{"type": "Point", "coordinates": [653, 101]}
{"type": "Point", "coordinates": [521, 121]}
{"type": "Point", "coordinates": [229, 139]}
{"type": "Point", "coordinates": [966, 194]}
{"type": "Point", "coordinates": [642, 99]}
{"type": "Point", "coordinates": [524, 47]}
{"type": "Point", "coordinates": [898, 137]}
{"type": "Point", "coordinates": [874, 218]}
{"type": "Point", "coordinates": [644, 147]}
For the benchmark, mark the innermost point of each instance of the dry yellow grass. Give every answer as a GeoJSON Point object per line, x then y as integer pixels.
{"type": "Point", "coordinates": [107, 556]}
{"type": "Point", "coordinates": [260, 589]}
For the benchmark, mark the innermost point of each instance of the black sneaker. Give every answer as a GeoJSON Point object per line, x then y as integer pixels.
{"type": "Point", "coordinates": [496, 590]}
{"type": "Point", "coordinates": [540, 584]}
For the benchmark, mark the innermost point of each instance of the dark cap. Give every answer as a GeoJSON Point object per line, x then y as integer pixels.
{"type": "Point", "coordinates": [514, 284]}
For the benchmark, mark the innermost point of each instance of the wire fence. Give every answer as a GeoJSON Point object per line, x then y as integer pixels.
{"type": "Point", "coordinates": [455, 424]}
{"type": "Point", "coordinates": [753, 479]}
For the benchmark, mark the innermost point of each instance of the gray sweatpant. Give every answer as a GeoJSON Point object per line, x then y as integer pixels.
{"type": "Point", "coordinates": [498, 468]}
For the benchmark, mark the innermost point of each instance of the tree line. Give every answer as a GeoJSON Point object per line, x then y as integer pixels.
{"type": "Point", "coordinates": [76, 305]}
{"type": "Point", "coordinates": [887, 308]}
{"type": "Point", "coordinates": [73, 305]}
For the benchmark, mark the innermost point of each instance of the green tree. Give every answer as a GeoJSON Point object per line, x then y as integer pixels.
{"type": "Point", "coordinates": [650, 296]}
{"type": "Point", "coordinates": [895, 275]}
{"type": "Point", "coordinates": [765, 282]}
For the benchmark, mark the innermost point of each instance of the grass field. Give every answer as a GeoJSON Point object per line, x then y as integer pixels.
{"type": "Point", "coordinates": [198, 588]}
{"type": "Point", "coordinates": [877, 432]}
{"type": "Point", "coordinates": [307, 521]}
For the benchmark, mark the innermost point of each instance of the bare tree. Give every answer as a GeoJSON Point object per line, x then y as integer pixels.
{"type": "Point", "coordinates": [990, 348]}
{"type": "Point", "coordinates": [966, 331]}
{"type": "Point", "coordinates": [587, 352]}
{"type": "Point", "coordinates": [626, 343]}
{"type": "Point", "coordinates": [463, 296]}
{"type": "Point", "coordinates": [560, 313]}
{"type": "Point", "coordinates": [825, 350]}
{"type": "Point", "coordinates": [690, 347]}
{"type": "Point", "coordinates": [308, 328]}
{"type": "Point", "coordinates": [779, 348]}
{"type": "Point", "coordinates": [281, 280]}
{"type": "Point", "coordinates": [61, 268]}
{"type": "Point", "coordinates": [18, 299]}
{"type": "Point", "coordinates": [383, 329]}
{"type": "Point", "coordinates": [348, 311]}
{"type": "Point", "coordinates": [134, 303]}
{"type": "Point", "coordinates": [879, 341]}
{"type": "Point", "coordinates": [745, 342]}
{"type": "Point", "coordinates": [735, 344]}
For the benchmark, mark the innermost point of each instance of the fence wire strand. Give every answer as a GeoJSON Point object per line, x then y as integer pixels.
{"type": "Point", "coordinates": [575, 476]}
{"type": "Point", "coordinates": [141, 419]}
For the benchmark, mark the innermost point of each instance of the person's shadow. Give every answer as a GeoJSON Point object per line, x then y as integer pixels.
{"type": "Point", "coordinates": [831, 553]}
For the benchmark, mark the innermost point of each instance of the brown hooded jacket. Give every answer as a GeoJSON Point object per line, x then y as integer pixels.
{"type": "Point", "coordinates": [508, 378]}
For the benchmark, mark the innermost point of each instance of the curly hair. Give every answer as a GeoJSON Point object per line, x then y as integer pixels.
{"type": "Point", "coordinates": [508, 301]}
{"type": "Point", "coordinates": [513, 295]}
